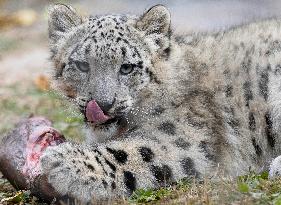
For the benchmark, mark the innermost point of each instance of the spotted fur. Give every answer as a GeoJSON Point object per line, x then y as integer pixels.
{"type": "Point", "coordinates": [181, 107]}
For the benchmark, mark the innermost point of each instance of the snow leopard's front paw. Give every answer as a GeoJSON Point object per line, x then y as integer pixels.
{"type": "Point", "coordinates": [76, 172]}
{"type": "Point", "coordinates": [275, 167]}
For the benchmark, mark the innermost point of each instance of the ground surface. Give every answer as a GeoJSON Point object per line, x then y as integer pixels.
{"type": "Point", "coordinates": [24, 88]}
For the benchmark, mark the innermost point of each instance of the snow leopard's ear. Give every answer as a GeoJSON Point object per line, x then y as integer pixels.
{"type": "Point", "coordinates": [61, 19]}
{"type": "Point", "coordinates": [156, 23]}
{"type": "Point", "coordinates": [156, 20]}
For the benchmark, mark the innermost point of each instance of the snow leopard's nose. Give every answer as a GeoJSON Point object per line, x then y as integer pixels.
{"type": "Point", "coordinates": [105, 106]}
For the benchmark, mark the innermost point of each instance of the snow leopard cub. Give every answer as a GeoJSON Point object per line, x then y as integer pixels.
{"type": "Point", "coordinates": [162, 107]}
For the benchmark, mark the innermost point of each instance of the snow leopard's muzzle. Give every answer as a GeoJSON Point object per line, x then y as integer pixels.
{"type": "Point", "coordinates": [102, 114]}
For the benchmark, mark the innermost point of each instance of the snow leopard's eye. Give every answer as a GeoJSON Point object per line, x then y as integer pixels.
{"type": "Point", "coordinates": [127, 68]}
{"type": "Point", "coordinates": [82, 66]}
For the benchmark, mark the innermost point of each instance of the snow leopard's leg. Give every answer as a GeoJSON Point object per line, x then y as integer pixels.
{"type": "Point", "coordinates": [117, 168]}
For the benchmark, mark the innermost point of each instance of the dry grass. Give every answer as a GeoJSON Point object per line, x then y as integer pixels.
{"type": "Point", "coordinates": [250, 189]}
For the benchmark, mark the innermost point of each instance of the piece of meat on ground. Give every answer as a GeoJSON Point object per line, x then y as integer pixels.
{"type": "Point", "coordinates": [20, 152]}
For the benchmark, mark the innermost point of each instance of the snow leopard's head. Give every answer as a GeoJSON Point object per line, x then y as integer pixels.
{"type": "Point", "coordinates": [104, 62]}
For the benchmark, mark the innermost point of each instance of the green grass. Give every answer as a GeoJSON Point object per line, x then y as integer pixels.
{"type": "Point", "coordinates": [150, 195]}
{"type": "Point", "coordinates": [249, 189]}
{"type": "Point", "coordinates": [17, 103]}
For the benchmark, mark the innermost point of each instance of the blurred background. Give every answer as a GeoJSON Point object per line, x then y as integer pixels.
{"type": "Point", "coordinates": [24, 64]}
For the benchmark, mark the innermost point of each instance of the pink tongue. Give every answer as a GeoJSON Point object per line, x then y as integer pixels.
{"type": "Point", "coordinates": [95, 114]}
